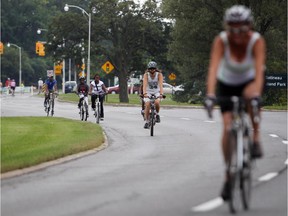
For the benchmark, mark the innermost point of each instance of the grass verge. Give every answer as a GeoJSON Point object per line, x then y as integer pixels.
{"type": "Point", "coordinates": [114, 99]}
{"type": "Point", "coordinates": [28, 141]}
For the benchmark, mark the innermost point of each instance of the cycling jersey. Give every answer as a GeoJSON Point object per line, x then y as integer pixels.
{"type": "Point", "coordinates": [153, 84]}
{"type": "Point", "coordinates": [50, 84]}
{"type": "Point", "coordinates": [83, 88]}
{"type": "Point", "coordinates": [97, 87]}
{"type": "Point", "coordinates": [235, 73]}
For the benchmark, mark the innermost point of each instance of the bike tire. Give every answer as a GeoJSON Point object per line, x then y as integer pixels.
{"type": "Point", "coordinates": [52, 105]}
{"type": "Point", "coordinates": [235, 176]}
{"type": "Point", "coordinates": [48, 107]}
{"type": "Point", "coordinates": [98, 113]}
{"type": "Point", "coordinates": [82, 113]}
{"type": "Point", "coordinates": [85, 111]}
{"type": "Point", "coordinates": [246, 174]}
{"type": "Point", "coordinates": [152, 123]}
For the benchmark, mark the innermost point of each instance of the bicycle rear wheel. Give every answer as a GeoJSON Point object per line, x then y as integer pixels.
{"type": "Point", "coordinates": [235, 177]}
{"type": "Point", "coordinates": [152, 122]}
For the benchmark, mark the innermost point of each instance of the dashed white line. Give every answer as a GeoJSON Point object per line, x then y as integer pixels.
{"type": "Point", "coordinates": [273, 135]}
{"type": "Point", "coordinates": [212, 204]}
{"type": "Point", "coordinates": [286, 162]}
{"type": "Point", "coordinates": [285, 142]}
{"type": "Point", "coordinates": [268, 176]}
{"type": "Point", "coordinates": [187, 119]}
{"type": "Point", "coordinates": [210, 121]}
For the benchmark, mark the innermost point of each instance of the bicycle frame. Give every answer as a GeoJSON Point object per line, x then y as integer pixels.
{"type": "Point", "coordinates": [50, 103]}
{"type": "Point", "coordinates": [152, 116]}
{"type": "Point", "coordinates": [240, 127]}
{"type": "Point", "coordinates": [97, 108]}
{"type": "Point", "coordinates": [83, 107]}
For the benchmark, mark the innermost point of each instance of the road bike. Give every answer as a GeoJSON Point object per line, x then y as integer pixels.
{"type": "Point", "coordinates": [97, 110]}
{"type": "Point", "coordinates": [83, 107]}
{"type": "Point", "coordinates": [50, 103]}
{"type": "Point", "coordinates": [240, 146]}
{"type": "Point", "coordinates": [153, 113]}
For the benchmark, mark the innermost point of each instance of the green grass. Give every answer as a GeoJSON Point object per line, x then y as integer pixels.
{"type": "Point", "coordinates": [114, 99]}
{"type": "Point", "coordinates": [27, 141]}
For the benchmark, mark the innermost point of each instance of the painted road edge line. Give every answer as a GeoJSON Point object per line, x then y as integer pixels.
{"type": "Point", "coordinates": [208, 206]}
{"type": "Point", "coordinates": [268, 176]}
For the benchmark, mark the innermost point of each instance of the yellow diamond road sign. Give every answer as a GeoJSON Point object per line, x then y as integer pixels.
{"type": "Point", "coordinates": [107, 67]}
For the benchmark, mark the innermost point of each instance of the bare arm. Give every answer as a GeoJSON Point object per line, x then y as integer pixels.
{"type": "Point", "coordinates": [259, 51]}
{"type": "Point", "coordinates": [160, 79]}
{"type": "Point", "coordinates": [216, 54]}
{"type": "Point", "coordinates": [145, 79]}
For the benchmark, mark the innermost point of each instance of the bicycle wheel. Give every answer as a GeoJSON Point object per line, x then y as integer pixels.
{"type": "Point", "coordinates": [246, 174]}
{"type": "Point", "coordinates": [52, 106]}
{"type": "Point", "coordinates": [152, 122]}
{"type": "Point", "coordinates": [48, 107]}
{"type": "Point", "coordinates": [97, 113]}
{"type": "Point", "coordinates": [235, 191]}
{"type": "Point", "coordinates": [81, 112]}
{"type": "Point", "coordinates": [85, 109]}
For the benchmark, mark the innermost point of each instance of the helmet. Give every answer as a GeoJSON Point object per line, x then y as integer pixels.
{"type": "Point", "coordinates": [152, 64]}
{"type": "Point", "coordinates": [238, 13]}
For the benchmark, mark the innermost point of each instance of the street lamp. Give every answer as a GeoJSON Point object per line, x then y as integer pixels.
{"type": "Point", "coordinates": [39, 30]}
{"type": "Point", "coordinates": [66, 8]}
{"type": "Point", "coordinates": [20, 63]}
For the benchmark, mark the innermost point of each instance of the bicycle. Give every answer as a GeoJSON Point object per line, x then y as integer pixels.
{"type": "Point", "coordinates": [83, 108]}
{"type": "Point", "coordinates": [97, 110]}
{"type": "Point", "coordinates": [153, 113]}
{"type": "Point", "coordinates": [240, 145]}
{"type": "Point", "coordinates": [50, 103]}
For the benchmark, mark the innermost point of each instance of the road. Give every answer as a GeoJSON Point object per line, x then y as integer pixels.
{"type": "Point", "coordinates": [178, 172]}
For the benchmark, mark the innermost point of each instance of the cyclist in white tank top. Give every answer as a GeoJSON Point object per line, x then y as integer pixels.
{"type": "Point", "coordinates": [152, 84]}
{"type": "Point", "coordinates": [237, 64]}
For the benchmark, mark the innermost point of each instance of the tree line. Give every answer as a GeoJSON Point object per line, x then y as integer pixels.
{"type": "Point", "coordinates": [177, 34]}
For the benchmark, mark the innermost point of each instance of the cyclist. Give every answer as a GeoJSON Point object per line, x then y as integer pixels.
{"type": "Point", "coordinates": [237, 65]}
{"type": "Point", "coordinates": [50, 86]}
{"type": "Point", "coordinates": [98, 89]}
{"type": "Point", "coordinates": [141, 97]}
{"type": "Point", "coordinates": [152, 84]}
{"type": "Point", "coordinates": [83, 89]}
{"type": "Point", "coordinates": [13, 86]}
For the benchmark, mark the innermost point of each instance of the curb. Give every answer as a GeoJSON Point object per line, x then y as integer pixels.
{"type": "Point", "coordinates": [44, 165]}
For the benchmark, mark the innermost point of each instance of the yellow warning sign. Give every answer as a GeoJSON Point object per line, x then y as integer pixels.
{"type": "Point", "coordinates": [107, 67]}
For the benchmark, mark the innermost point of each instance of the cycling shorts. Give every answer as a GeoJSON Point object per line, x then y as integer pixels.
{"type": "Point", "coordinates": [224, 90]}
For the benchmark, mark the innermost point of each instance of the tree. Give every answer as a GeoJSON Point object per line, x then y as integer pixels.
{"type": "Point", "coordinates": [197, 22]}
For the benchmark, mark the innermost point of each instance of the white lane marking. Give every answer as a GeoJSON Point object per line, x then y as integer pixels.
{"type": "Point", "coordinates": [285, 142]}
{"type": "Point", "coordinates": [273, 135]}
{"type": "Point", "coordinates": [209, 121]}
{"type": "Point", "coordinates": [187, 119]}
{"type": "Point", "coordinates": [268, 176]}
{"type": "Point", "coordinates": [286, 162]}
{"type": "Point", "coordinates": [207, 206]}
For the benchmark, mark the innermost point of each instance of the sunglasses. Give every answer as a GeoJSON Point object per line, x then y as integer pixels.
{"type": "Point", "coordinates": [151, 68]}
{"type": "Point", "coordinates": [237, 30]}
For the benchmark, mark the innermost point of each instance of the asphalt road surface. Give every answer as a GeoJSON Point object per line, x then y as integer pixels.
{"type": "Point", "coordinates": [178, 172]}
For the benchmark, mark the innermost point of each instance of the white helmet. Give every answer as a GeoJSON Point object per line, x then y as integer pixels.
{"type": "Point", "coordinates": [238, 13]}
{"type": "Point", "coordinates": [152, 64]}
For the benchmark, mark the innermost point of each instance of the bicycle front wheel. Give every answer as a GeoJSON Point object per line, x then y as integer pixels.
{"type": "Point", "coordinates": [235, 191]}
{"type": "Point", "coordinates": [81, 113]}
{"type": "Point", "coordinates": [152, 122]}
{"type": "Point", "coordinates": [98, 113]}
{"type": "Point", "coordinates": [246, 174]}
{"type": "Point", "coordinates": [48, 107]}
